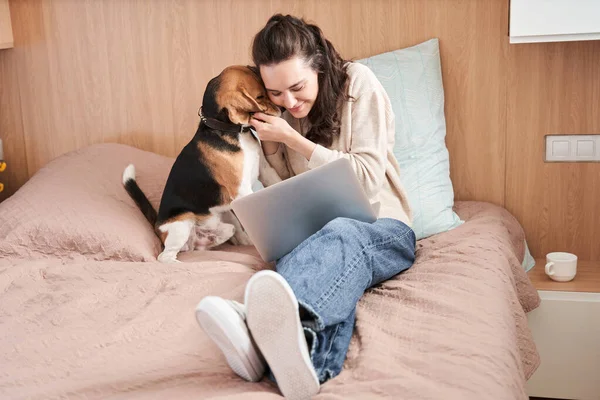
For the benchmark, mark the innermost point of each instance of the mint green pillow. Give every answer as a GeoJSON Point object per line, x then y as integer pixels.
{"type": "Point", "coordinates": [412, 78]}
{"type": "Point", "coordinates": [528, 260]}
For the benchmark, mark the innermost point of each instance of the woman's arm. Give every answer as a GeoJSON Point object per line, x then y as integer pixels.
{"type": "Point", "coordinates": [272, 131]}
{"type": "Point", "coordinates": [276, 130]}
{"type": "Point", "coordinates": [371, 121]}
{"type": "Point", "coordinates": [301, 145]}
{"type": "Point", "coordinates": [269, 148]}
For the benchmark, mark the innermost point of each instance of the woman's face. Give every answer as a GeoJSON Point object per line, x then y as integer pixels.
{"type": "Point", "coordinates": [291, 84]}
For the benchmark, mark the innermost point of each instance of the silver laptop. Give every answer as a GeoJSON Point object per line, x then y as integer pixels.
{"type": "Point", "coordinates": [278, 218]}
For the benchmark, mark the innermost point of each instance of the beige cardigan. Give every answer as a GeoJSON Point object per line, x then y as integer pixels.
{"type": "Point", "coordinates": [366, 139]}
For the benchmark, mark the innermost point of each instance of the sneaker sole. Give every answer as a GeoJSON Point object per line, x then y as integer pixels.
{"type": "Point", "coordinates": [229, 332]}
{"type": "Point", "coordinates": [273, 319]}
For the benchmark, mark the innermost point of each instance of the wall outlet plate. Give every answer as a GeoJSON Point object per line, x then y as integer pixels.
{"type": "Point", "coordinates": [572, 148]}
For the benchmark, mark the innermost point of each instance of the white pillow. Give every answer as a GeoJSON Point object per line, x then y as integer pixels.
{"type": "Point", "coordinates": [412, 78]}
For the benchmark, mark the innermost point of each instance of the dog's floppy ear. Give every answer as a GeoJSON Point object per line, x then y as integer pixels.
{"type": "Point", "coordinates": [254, 70]}
{"type": "Point", "coordinates": [252, 100]}
{"type": "Point", "coordinates": [239, 105]}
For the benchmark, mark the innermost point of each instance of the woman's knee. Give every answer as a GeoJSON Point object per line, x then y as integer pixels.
{"type": "Point", "coordinates": [359, 234]}
{"type": "Point", "coordinates": [343, 226]}
{"type": "Point", "coordinates": [347, 232]}
{"type": "Point", "coordinates": [387, 225]}
{"type": "Point", "coordinates": [397, 228]}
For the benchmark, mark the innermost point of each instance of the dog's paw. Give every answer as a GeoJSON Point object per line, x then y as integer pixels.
{"type": "Point", "coordinates": [241, 239]}
{"type": "Point", "coordinates": [204, 241]}
{"type": "Point", "coordinates": [227, 231]}
{"type": "Point", "coordinates": [168, 258]}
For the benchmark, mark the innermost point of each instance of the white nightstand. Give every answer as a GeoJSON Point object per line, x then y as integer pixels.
{"type": "Point", "coordinates": [566, 330]}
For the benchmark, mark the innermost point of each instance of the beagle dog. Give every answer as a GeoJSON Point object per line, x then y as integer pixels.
{"type": "Point", "coordinates": [221, 163]}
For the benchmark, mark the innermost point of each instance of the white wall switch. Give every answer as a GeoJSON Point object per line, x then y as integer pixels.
{"type": "Point", "coordinates": [585, 149]}
{"type": "Point", "coordinates": [572, 148]}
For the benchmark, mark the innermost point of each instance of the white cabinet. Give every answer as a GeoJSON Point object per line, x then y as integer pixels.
{"type": "Point", "coordinates": [566, 330]}
{"type": "Point", "coordinates": [554, 20]}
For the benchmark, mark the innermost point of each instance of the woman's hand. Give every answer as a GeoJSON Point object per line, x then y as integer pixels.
{"type": "Point", "coordinates": [275, 129]}
{"type": "Point", "coordinates": [272, 129]}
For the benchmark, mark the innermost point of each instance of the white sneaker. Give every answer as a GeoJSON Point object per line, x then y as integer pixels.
{"type": "Point", "coordinates": [224, 321]}
{"type": "Point", "coordinates": [274, 320]}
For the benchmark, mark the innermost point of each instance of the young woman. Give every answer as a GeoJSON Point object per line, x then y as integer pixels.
{"type": "Point", "coordinates": [300, 318]}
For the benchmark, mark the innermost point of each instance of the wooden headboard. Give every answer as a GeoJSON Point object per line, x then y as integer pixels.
{"type": "Point", "coordinates": [134, 73]}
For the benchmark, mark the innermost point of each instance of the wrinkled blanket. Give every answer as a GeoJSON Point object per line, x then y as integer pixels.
{"type": "Point", "coordinates": [451, 327]}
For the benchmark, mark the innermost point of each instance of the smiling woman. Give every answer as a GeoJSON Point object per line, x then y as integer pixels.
{"type": "Point", "coordinates": [291, 84]}
{"type": "Point", "coordinates": [294, 85]}
{"type": "Point", "coordinates": [302, 317]}
{"type": "Point", "coordinates": [303, 69]}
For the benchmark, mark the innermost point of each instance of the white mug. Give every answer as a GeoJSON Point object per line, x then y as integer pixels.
{"type": "Point", "coordinates": [561, 267]}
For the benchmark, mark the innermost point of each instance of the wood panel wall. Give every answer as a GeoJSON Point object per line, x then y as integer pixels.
{"type": "Point", "coordinates": [89, 71]}
{"type": "Point", "coordinates": [6, 36]}
{"type": "Point", "coordinates": [553, 88]}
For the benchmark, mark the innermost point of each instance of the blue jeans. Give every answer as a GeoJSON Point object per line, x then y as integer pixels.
{"type": "Point", "coordinates": [330, 271]}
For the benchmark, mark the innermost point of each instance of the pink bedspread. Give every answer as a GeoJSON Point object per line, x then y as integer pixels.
{"type": "Point", "coordinates": [452, 327]}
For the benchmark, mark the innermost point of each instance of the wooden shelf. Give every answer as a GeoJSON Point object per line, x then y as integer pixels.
{"type": "Point", "coordinates": [586, 280]}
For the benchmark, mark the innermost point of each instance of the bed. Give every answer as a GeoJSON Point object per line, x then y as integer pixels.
{"type": "Point", "coordinates": [87, 312]}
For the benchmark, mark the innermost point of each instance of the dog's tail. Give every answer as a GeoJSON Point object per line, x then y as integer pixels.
{"type": "Point", "coordinates": [137, 195]}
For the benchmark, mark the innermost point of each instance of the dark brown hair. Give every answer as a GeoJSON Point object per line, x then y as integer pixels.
{"type": "Point", "coordinates": [285, 37]}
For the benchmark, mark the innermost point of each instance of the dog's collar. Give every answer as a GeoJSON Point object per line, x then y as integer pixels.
{"type": "Point", "coordinates": [223, 126]}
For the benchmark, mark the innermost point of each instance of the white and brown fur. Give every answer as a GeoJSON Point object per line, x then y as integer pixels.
{"type": "Point", "coordinates": [218, 165]}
